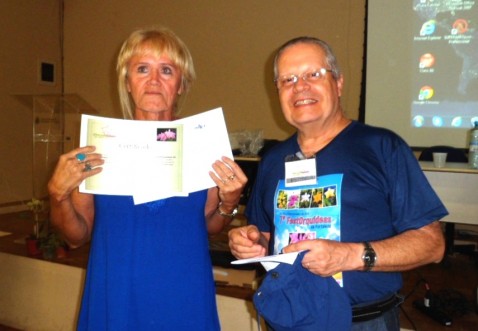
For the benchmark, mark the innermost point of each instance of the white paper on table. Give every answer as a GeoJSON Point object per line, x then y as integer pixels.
{"type": "Point", "coordinates": [271, 261]}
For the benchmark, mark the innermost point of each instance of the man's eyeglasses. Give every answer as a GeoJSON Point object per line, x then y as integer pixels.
{"type": "Point", "coordinates": [309, 76]}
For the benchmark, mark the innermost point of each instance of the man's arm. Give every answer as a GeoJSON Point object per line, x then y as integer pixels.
{"type": "Point", "coordinates": [405, 251]}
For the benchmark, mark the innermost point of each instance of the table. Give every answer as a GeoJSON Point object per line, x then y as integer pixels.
{"type": "Point", "coordinates": [457, 186]}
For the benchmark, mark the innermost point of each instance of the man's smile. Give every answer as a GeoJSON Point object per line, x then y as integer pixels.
{"type": "Point", "coordinates": [305, 102]}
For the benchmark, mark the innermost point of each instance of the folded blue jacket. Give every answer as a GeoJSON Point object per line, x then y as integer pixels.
{"type": "Point", "coordinates": [291, 298]}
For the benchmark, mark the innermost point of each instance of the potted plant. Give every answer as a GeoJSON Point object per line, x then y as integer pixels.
{"type": "Point", "coordinates": [51, 246]}
{"type": "Point", "coordinates": [43, 241]}
{"type": "Point", "coordinates": [33, 248]}
{"type": "Point", "coordinates": [37, 207]}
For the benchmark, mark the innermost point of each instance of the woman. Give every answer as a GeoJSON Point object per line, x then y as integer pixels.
{"type": "Point", "coordinates": [149, 266]}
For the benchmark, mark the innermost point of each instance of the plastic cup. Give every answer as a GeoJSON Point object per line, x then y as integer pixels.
{"type": "Point", "coordinates": [439, 159]}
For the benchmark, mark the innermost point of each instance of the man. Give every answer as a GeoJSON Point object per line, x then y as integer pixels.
{"type": "Point", "coordinates": [356, 190]}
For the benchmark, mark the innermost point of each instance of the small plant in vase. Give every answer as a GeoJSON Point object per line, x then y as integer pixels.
{"type": "Point", "coordinates": [37, 208]}
{"type": "Point", "coordinates": [40, 226]}
{"type": "Point", "coordinates": [52, 246]}
{"type": "Point", "coordinates": [43, 241]}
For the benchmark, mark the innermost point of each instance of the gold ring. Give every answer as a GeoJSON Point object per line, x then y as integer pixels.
{"type": "Point", "coordinates": [231, 177]}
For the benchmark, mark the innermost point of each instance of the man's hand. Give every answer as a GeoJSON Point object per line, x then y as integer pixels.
{"type": "Point", "coordinates": [247, 242]}
{"type": "Point", "coordinates": [328, 257]}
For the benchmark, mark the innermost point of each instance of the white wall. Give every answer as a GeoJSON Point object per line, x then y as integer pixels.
{"type": "Point", "coordinates": [30, 34]}
{"type": "Point", "coordinates": [232, 43]}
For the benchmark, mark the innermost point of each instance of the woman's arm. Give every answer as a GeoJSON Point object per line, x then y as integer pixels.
{"type": "Point", "coordinates": [223, 200]}
{"type": "Point", "coordinates": [72, 212]}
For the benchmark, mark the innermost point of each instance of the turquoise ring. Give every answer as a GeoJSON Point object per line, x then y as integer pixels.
{"type": "Point", "coordinates": [80, 157]}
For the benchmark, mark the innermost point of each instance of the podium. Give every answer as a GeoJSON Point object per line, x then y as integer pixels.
{"type": "Point", "coordinates": [56, 122]}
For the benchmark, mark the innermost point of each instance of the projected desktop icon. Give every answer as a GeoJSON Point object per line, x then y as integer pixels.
{"type": "Point", "coordinates": [460, 26]}
{"type": "Point", "coordinates": [426, 93]}
{"type": "Point", "coordinates": [457, 122]}
{"type": "Point", "coordinates": [426, 61]}
{"type": "Point", "coordinates": [428, 28]}
{"type": "Point", "coordinates": [437, 121]}
{"type": "Point", "coordinates": [418, 121]}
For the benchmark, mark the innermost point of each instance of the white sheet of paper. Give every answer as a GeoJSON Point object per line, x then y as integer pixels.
{"type": "Point", "coordinates": [138, 164]}
{"type": "Point", "coordinates": [205, 141]}
{"type": "Point", "coordinates": [128, 147]}
{"type": "Point", "coordinates": [271, 261]}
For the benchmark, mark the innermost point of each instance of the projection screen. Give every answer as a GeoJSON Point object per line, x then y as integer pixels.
{"type": "Point", "coordinates": [422, 69]}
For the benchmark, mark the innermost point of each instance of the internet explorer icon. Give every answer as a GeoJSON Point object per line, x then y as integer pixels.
{"type": "Point", "coordinates": [428, 28]}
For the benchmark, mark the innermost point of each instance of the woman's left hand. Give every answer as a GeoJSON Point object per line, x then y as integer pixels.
{"type": "Point", "coordinates": [230, 180]}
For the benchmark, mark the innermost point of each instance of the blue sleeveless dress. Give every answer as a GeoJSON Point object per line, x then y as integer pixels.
{"type": "Point", "coordinates": [149, 267]}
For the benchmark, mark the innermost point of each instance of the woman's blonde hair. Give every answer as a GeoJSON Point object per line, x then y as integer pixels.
{"type": "Point", "coordinates": [157, 41]}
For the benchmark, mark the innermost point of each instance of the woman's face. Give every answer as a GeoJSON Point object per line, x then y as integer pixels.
{"type": "Point", "coordinates": [155, 84]}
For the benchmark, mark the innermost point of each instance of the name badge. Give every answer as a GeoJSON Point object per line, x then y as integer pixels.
{"type": "Point", "coordinates": [300, 172]}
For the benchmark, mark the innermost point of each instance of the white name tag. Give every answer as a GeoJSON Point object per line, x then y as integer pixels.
{"type": "Point", "coordinates": [300, 172]}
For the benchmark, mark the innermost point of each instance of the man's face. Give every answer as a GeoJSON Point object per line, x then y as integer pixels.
{"type": "Point", "coordinates": [307, 102]}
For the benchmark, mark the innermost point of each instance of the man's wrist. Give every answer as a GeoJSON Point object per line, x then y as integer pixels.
{"type": "Point", "coordinates": [369, 257]}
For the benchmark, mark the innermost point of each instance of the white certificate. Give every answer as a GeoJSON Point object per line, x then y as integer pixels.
{"type": "Point", "coordinates": [151, 160]}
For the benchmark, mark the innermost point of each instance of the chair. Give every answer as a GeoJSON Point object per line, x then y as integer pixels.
{"type": "Point", "coordinates": [454, 154]}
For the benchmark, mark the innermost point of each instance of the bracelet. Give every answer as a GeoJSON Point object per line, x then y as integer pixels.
{"type": "Point", "coordinates": [220, 212]}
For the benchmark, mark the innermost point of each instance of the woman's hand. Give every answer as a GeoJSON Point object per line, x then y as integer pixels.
{"type": "Point", "coordinates": [230, 181]}
{"type": "Point", "coordinates": [72, 168]}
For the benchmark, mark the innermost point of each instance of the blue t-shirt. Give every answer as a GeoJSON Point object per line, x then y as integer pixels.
{"type": "Point", "coordinates": [383, 193]}
{"type": "Point", "coordinates": [149, 267]}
